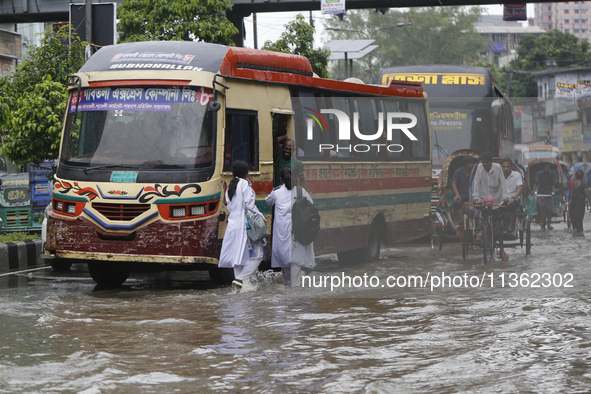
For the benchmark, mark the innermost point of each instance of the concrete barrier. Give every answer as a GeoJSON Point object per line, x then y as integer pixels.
{"type": "Point", "coordinates": [16, 256]}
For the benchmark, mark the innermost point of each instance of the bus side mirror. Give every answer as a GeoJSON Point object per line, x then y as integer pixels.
{"type": "Point", "coordinates": [497, 106]}
{"type": "Point", "coordinates": [214, 106]}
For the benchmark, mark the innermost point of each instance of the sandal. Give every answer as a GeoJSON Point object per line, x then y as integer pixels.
{"type": "Point", "coordinates": [504, 257]}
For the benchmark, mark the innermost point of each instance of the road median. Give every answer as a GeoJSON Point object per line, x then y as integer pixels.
{"type": "Point", "coordinates": [22, 255]}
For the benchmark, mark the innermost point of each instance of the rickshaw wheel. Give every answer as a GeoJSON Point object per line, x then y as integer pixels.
{"type": "Point", "coordinates": [528, 239]}
{"type": "Point", "coordinates": [465, 243]}
{"type": "Point", "coordinates": [436, 233]}
{"type": "Point", "coordinates": [521, 238]}
{"type": "Point", "coordinates": [488, 246]}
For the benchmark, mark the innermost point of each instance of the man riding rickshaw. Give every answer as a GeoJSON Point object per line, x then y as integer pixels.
{"type": "Point", "coordinates": [498, 213]}
{"type": "Point", "coordinates": [546, 181]}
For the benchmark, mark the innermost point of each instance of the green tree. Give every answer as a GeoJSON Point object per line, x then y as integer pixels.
{"type": "Point", "coordinates": [436, 35]}
{"type": "Point", "coordinates": [181, 20]}
{"type": "Point", "coordinates": [34, 98]}
{"type": "Point", "coordinates": [497, 73]}
{"type": "Point", "coordinates": [537, 53]}
{"type": "Point", "coordinates": [297, 39]}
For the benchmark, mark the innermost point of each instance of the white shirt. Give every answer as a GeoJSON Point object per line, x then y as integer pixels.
{"type": "Point", "coordinates": [285, 250]}
{"type": "Point", "coordinates": [235, 250]}
{"type": "Point", "coordinates": [513, 182]}
{"type": "Point", "coordinates": [490, 184]}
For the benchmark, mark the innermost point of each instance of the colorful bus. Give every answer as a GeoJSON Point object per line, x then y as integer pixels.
{"type": "Point", "coordinates": [527, 153]}
{"type": "Point", "coordinates": [151, 131]}
{"type": "Point", "coordinates": [467, 110]}
{"type": "Point", "coordinates": [24, 193]}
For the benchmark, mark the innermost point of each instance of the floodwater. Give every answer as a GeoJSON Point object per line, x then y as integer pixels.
{"type": "Point", "coordinates": [177, 333]}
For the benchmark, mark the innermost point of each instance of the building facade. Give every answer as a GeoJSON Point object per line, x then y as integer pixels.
{"type": "Point", "coordinates": [502, 36]}
{"type": "Point", "coordinates": [572, 17]}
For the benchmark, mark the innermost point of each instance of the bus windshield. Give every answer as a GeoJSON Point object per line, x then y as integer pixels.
{"type": "Point", "coordinates": [539, 153]}
{"type": "Point", "coordinates": [154, 127]}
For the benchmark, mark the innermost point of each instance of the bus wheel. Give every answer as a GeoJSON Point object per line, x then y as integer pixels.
{"type": "Point", "coordinates": [108, 273]}
{"type": "Point", "coordinates": [374, 244]}
{"type": "Point", "coordinates": [221, 276]}
{"type": "Point", "coordinates": [61, 265]}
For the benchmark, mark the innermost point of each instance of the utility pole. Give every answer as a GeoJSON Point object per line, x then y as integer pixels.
{"type": "Point", "coordinates": [255, 30]}
{"type": "Point", "coordinates": [312, 24]}
{"type": "Point", "coordinates": [88, 10]}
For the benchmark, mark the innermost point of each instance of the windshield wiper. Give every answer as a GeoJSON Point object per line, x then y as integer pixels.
{"type": "Point", "coordinates": [111, 166]}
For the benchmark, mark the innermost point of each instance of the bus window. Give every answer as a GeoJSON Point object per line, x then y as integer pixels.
{"type": "Point", "coordinates": [393, 106]}
{"type": "Point", "coordinates": [306, 104]}
{"type": "Point", "coordinates": [420, 148]}
{"type": "Point", "coordinates": [279, 124]}
{"type": "Point", "coordinates": [242, 138]}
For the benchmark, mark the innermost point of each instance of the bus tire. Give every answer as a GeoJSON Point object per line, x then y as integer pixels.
{"type": "Point", "coordinates": [221, 276]}
{"type": "Point", "coordinates": [374, 244]}
{"type": "Point", "coordinates": [108, 273]}
{"type": "Point", "coordinates": [61, 265]}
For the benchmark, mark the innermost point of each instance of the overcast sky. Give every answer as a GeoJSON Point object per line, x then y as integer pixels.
{"type": "Point", "coordinates": [271, 25]}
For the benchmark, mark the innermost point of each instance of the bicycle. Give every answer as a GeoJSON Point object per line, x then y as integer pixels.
{"type": "Point", "coordinates": [487, 222]}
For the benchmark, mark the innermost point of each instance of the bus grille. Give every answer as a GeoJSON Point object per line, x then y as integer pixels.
{"type": "Point", "coordinates": [17, 218]}
{"type": "Point", "coordinates": [120, 212]}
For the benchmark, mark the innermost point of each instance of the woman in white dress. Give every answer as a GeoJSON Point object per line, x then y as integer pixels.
{"type": "Point", "coordinates": [238, 251]}
{"type": "Point", "coordinates": [287, 253]}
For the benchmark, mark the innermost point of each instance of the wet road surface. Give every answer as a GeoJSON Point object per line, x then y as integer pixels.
{"type": "Point", "coordinates": [178, 333]}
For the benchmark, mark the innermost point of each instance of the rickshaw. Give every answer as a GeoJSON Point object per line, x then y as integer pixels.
{"type": "Point", "coordinates": [536, 166]}
{"type": "Point", "coordinates": [442, 225]}
{"type": "Point", "coordinates": [582, 166]}
{"type": "Point", "coordinates": [486, 240]}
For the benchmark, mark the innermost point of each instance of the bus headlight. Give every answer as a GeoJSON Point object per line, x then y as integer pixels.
{"type": "Point", "coordinates": [178, 212]}
{"type": "Point", "coordinates": [197, 210]}
{"type": "Point", "coordinates": [187, 211]}
{"type": "Point", "coordinates": [68, 208]}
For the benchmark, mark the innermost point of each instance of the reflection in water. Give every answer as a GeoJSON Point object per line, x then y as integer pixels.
{"type": "Point", "coordinates": [165, 336]}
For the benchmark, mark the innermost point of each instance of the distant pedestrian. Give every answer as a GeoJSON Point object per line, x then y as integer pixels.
{"type": "Point", "coordinates": [287, 253]}
{"type": "Point", "coordinates": [577, 203]}
{"type": "Point", "coordinates": [238, 251]}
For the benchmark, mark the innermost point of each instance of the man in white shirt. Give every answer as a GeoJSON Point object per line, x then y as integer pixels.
{"type": "Point", "coordinates": [514, 190]}
{"type": "Point", "coordinates": [489, 181]}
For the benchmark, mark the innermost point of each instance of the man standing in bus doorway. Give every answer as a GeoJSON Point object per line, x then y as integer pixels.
{"type": "Point", "coordinates": [284, 158]}
{"type": "Point", "coordinates": [461, 185]}
{"type": "Point", "coordinates": [544, 183]}
{"type": "Point", "coordinates": [514, 189]}
{"type": "Point", "coordinates": [489, 181]}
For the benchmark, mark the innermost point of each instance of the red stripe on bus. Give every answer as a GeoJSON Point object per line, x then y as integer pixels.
{"type": "Point", "coordinates": [357, 185]}
{"type": "Point", "coordinates": [140, 82]}
{"type": "Point", "coordinates": [262, 187]}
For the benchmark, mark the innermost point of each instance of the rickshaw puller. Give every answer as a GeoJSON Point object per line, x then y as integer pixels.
{"type": "Point", "coordinates": [514, 189]}
{"type": "Point", "coordinates": [489, 181]}
{"type": "Point", "coordinates": [544, 183]}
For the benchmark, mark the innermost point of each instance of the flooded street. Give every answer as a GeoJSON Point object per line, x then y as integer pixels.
{"type": "Point", "coordinates": [176, 332]}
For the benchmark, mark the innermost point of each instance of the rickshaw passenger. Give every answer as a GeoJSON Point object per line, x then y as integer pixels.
{"type": "Point", "coordinates": [544, 182]}
{"type": "Point", "coordinates": [514, 189]}
{"type": "Point", "coordinates": [461, 184]}
{"type": "Point", "coordinates": [489, 181]}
